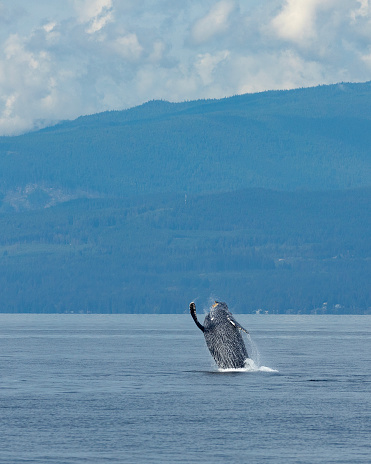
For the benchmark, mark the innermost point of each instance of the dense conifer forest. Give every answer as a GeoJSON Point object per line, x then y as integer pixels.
{"type": "Point", "coordinates": [260, 200]}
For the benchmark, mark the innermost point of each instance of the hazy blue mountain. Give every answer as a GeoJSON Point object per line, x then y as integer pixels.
{"type": "Point", "coordinates": [279, 251]}
{"type": "Point", "coordinates": [263, 200]}
{"type": "Point", "coordinates": [317, 138]}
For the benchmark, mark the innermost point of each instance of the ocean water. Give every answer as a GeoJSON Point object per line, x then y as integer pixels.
{"type": "Point", "coordinates": [144, 389]}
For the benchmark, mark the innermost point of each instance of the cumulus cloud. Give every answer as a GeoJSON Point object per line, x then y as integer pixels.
{"type": "Point", "coordinates": [215, 22]}
{"type": "Point", "coordinates": [95, 13]}
{"type": "Point", "coordinates": [59, 60]}
{"type": "Point", "coordinates": [207, 63]}
{"type": "Point", "coordinates": [362, 10]}
{"type": "Point", "coordinates": [128, 47]}
{"type": "Point", "coordinates": [297, 20]}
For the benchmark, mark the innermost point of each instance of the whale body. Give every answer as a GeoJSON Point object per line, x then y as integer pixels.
{"type": "Point", "coordinates": [223, 336]}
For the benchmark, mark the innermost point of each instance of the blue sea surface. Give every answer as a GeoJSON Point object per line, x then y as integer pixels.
{"type": "Point", "coordinates": [144, 389]}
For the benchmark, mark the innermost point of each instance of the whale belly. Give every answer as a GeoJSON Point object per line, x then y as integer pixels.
{"type": "Point", "coordinates": [226, 346]}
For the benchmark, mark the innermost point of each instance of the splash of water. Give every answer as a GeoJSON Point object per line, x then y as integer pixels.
{"type": "Point", "coordinates": [252, 364]}
{"type": "Point", "coordinates": [252, 348]}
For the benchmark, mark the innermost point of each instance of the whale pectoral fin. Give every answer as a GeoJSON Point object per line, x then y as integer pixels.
{"type": "Point", "coordinates": [236, 324]}
{"type": "Point", "coordinates": [192, 309]}
{"type": "Point", "coordinates": [231, 321]}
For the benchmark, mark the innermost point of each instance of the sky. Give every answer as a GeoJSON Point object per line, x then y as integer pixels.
{"type": "Point", "coordinates": [60, 59]}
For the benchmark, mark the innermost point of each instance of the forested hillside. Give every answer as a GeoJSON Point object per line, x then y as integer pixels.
{"type": "Point", "coordinates": [257, 249]}
{"type": "Point", "coordinates": [308, 139]}
{"type": "Point", "coordinates": [261, 200]}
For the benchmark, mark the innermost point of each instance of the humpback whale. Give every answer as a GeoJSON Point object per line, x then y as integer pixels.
{"type": "Point", "coordinates": [223, 336]}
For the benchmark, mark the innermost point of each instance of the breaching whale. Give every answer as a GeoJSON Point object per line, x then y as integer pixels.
{"type": "Point", "coordinates": [223, 336]}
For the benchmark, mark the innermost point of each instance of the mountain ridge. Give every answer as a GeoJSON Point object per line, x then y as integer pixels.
{"type": "Point", "coordinates": [144, 110]}
{"type": "Point", "coordinates": [311, 138]}
{"type": "Point", "coordinates": [262, 199]}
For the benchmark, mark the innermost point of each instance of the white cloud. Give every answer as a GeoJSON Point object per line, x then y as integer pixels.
{"type": "Point", "coordinates": [298, 19]}
{"type": "Point", "coordinates": [88, 10]}
{"type": "Point", "coordinates": [362, 10]}
{"type": "Point", "coordinates": [366, 58]}
{"type": "Point", "coordinates": [128, 47]}
{"type": "Point", "coordinates": [9, 104]}
{"type": "Point", "coordinates": [59, 60]}
{"type": "Point", "coordinates": [206, 64]}
{"type": "Point", "coordinates": [158, 51]}
{"type": "Point", "coordinates": [95, 13]}
{"type": "Point", "coordinates": [214, 22]}
{"type": "Point", "coordinates": [49, 26]}
{"type": "Point", "coordinates": [283, 70]}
